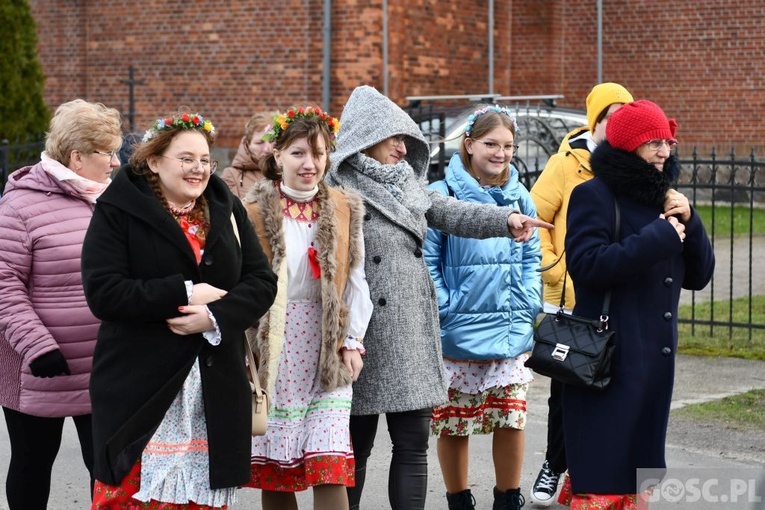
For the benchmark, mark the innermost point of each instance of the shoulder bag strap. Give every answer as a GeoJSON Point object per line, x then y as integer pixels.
{"type": "Point", "coordinates": [615, 238]}
{"type": "Point", "coordinates": [248, 350]}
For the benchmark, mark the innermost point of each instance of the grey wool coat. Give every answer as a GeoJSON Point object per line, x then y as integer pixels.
{"type": "Point", "coordinates": [403, 367]}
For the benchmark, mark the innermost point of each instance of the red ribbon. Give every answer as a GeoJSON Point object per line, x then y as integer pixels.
{"type": "Point", "coordinates": [196, 247]}
{"type": "Point", "coordinates": [313, 261]}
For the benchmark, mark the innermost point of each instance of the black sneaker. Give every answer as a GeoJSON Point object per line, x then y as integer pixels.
{"type": "Point", "coordinates": [508, 500]}
{"type": "Point", "coordinates": [545, 487]}
{"type": "Point", "coordinates": [462, 500]}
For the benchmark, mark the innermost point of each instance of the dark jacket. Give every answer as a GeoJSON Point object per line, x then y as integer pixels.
{"type": "Point", "coordinates": [135, 262]}
{"type": "Point", "coordinates": [610, 434]}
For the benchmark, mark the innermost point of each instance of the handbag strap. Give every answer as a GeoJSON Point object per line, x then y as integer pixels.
{"type": "Point", "coordinates": [614, 238]}
{"type": "Point", "coordinates": [250, 357]}
{"type": "Point", "coordinates": [253, 370]}
{"type": "Point", "coordinates": [607, 296]}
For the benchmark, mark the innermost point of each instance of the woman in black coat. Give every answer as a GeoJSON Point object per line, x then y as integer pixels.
{"type": "Point", "coordinates": [164, 271]}
{"type": "Point", "coordinates": [662, 248]}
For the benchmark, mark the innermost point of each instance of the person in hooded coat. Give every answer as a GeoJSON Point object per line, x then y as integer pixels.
{"type": "Point", "coordinates": [245, 170]}
{"type": "Point", "coordinates": [662, 247]}
{"type": "Point", "coordinates": [383, 155]}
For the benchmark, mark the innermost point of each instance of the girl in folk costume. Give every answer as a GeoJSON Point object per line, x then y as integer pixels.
{"type": "Point", "coordinates": [309, 344]}
{"type": "Point", "coordinates": [163, 269]}
{"type": "Point", "coordinates": [489, 293]}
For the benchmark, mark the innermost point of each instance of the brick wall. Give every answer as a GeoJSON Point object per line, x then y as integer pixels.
{"type": "Point", "coordinates": [703, 61]}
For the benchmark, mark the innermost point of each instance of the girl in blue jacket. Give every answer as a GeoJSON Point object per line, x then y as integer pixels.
{"type": "Point", "coordinates": [489, 294]}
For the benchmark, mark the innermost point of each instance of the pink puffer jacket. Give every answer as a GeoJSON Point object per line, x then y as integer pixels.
{"type": "Point", "coordinates": [42, 304]}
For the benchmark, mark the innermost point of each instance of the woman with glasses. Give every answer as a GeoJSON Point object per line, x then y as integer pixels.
{"type": "Point", "coordinates": [489, 293]}
{"type": "Point", "coordinates": [383, 155]}
{"type": "Point", "coordinates": [661, 248]}
{"type": "Point", "coordinates": [48, 332]}
{"type": "Point", "coordinates": [175, 272]}
{"type": "Point", "coordinates": [245, 169]}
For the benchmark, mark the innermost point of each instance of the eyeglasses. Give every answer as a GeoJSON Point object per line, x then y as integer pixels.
{"type": "Point", "coordinates": [397, 140]}
{"type": "Point", "coordinates": [494, 147]}
{"type": "Point", "coordinates": [656, 145]}
{"type": "Point", "coordinates": [189, 165]}
{"type": "Point", "coordinates": [111, 154]}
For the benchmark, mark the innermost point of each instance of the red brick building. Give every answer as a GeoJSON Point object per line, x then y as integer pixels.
{"type": "Point", "coordinates": [702, 61]}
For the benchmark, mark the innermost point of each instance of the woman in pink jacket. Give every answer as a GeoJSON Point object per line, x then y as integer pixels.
{"type": "Point", "coordinates": [47, 333]}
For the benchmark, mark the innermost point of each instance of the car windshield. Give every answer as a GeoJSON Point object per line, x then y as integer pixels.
{"type": "Point", "coordinates": [541, 130]}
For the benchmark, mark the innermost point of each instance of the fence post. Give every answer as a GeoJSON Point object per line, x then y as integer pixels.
{"type": "Point", "coordinates": [4, 160]}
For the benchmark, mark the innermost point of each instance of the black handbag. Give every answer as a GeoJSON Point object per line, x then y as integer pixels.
{"type": "Point", "coordinates": [575, 350]}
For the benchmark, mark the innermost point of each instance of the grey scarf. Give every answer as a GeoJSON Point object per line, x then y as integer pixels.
{"type": "Point", "coordinates": [399, 180]}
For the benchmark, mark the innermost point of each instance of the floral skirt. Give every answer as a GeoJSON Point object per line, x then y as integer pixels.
{"type": "Point", "coordinates": [466, 414]}
{"type": "Point", "coordinates": [596, 501]}
{"type": "Point", "coordinates": [109, 497]}
{"type": "Point", "coordinates": [308, 441]}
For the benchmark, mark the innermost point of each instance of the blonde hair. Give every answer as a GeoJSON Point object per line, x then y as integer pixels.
{"type": "Point", "coordinates": [485, 123]}
{"type": "Point", "coordinates": [82, 126]}
{"type": "Point", "coordinates": [258, 124]}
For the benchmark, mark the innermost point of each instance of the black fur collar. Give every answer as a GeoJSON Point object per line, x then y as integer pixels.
{"type": "Point", "coordinates": [629, 175]}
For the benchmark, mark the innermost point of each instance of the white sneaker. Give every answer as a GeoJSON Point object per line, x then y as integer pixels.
{"type": "Point", "coordinates": [545, 487]}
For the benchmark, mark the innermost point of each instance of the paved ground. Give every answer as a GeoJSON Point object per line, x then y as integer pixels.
{"type": "Point", "coordinates": [689, 444]}
{"type": "Point", "coordinates": [732, 270]}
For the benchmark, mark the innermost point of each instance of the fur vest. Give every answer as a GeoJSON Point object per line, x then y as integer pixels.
{"type": "Point", "coordinates": [338, 237]}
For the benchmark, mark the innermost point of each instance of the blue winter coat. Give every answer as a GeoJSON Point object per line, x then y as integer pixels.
{"type": "Point", "coordinates": [489, 291]}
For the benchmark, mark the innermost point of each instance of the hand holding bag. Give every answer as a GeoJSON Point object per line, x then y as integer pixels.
{"type": "Point", "coordinates": [259, 395]}
{"type": "Point", "coordinates": [575, 350]}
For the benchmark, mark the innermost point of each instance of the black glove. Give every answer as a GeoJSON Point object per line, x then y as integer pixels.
{"type": "Point", "coordinates": [50, 364]}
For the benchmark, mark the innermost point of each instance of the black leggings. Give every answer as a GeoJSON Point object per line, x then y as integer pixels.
{"type": "Point", "coordinates": [556, 449]}
{"type": "Point", "coordinates": [35, 442]}
{"type": "Point", "coordinates": [408, 475]}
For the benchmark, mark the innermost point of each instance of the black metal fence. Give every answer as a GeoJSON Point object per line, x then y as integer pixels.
{"type": "Point", "coordinates": [17, 155]}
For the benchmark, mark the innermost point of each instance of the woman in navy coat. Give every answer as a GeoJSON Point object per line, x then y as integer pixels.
{"type": "Point", "coordinates": [662, 248]}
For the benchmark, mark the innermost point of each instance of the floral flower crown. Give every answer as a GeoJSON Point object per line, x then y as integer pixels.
{"type": "Point", "coordinates": [183, 121]}
{"type": "Point", "coordinates": [282, 120]}
{"type": "Point", "coordinates": [491, 108]}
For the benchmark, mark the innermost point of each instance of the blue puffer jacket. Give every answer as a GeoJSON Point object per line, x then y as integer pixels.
{"type": "Point", "coordinates": [489, 291]}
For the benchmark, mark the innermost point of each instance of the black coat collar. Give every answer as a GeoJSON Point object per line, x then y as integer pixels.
{"type": "Point", "coordinates": [629, 175]}
{"type": "Point", "coordinates": [130, 192]}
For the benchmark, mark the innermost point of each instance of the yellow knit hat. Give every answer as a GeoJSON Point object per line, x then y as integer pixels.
{"type": "Point", "coordinates": [601, 97]}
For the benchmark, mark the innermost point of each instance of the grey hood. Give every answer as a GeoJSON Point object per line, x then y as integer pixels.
{"type": "Point", "coordinates": [369, 118]}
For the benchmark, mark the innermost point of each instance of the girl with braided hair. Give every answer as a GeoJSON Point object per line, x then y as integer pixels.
{"type": "Point", "coordinates": [175, 287]}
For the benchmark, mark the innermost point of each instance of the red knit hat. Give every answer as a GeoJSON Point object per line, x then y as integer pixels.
{"type": "Point", "coordinates": [638, 122]}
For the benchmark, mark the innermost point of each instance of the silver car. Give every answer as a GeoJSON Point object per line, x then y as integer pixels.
{"type": "Point", "coordinates": [541, 128]}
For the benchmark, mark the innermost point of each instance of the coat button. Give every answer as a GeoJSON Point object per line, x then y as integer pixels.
{"type": "Point", "coordinates": [668, 282]}
{"type": "Point", "coordinates": [209, 260]}
{"type": "Point", "coordinates": [418, 253]}
{"type": "Point", "coordinates": [209, 361]}
{"type": "Point", "coordinates": [666, 351]}
{"type": "Point", "coordinates": [381, 301]}
{"type": "Point", "coordinates": [376, 259]}
{"type": "Point", "coordinates": [367, 217]}
{"type": "Point", "coordinates": [667, 316]}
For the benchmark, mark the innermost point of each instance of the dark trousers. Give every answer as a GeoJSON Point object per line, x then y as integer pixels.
{"type": "Point", "coordinates": [556, 449]}
{"type": "Point", "coordinates": [408, 475]}
{"type": "Point", "coordinates": [35, 442]}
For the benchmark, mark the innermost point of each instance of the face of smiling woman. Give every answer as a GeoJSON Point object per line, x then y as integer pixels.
{"type": "Point", "coordinates": [184, 168]}
{"type": "Point", "coordinates": [302, 169]}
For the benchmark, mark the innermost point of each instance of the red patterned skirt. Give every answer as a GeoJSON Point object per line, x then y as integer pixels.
{"type": "Point", "coordinates": [110, 497]}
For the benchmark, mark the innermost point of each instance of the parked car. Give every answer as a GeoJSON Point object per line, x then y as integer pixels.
{"type": "Point", "coordinates": [541, 128]}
